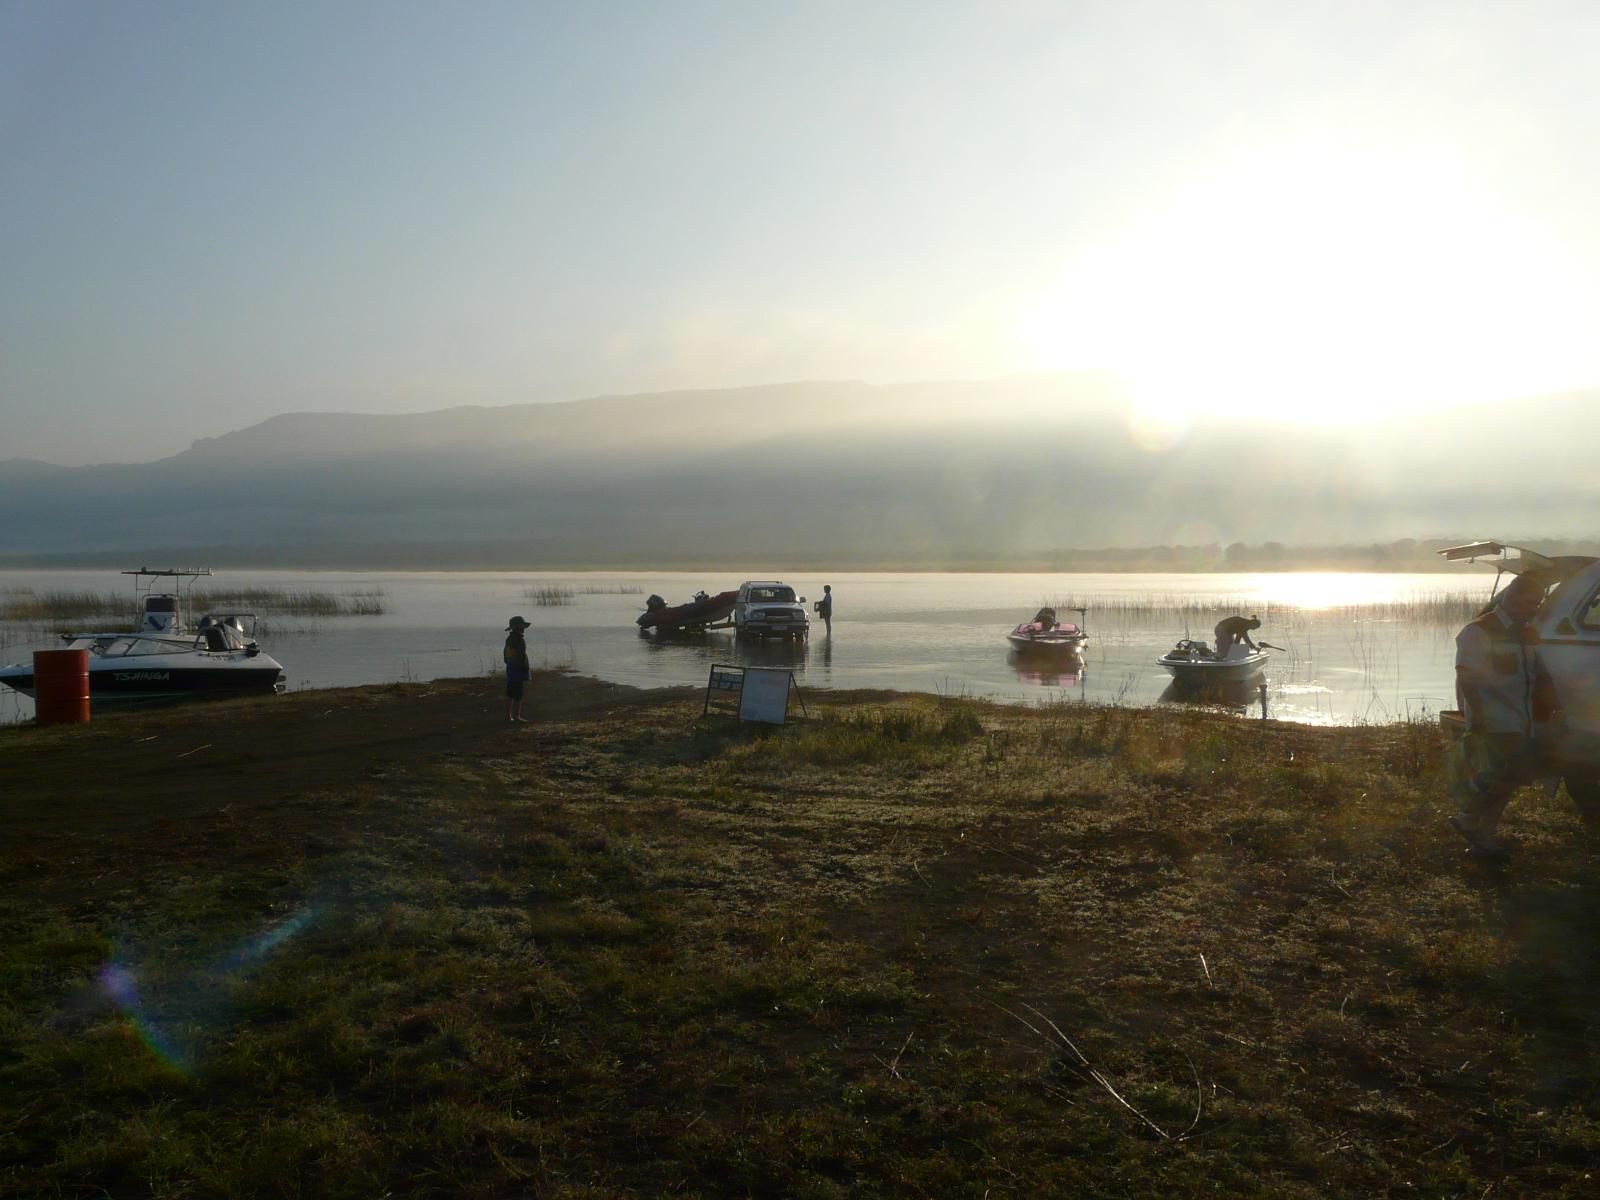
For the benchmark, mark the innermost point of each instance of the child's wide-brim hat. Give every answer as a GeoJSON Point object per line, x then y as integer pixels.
{"type": "Point", "coordinates": [517, 623]}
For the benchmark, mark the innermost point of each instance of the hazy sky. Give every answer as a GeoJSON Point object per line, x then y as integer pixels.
{"type": "Point", "coordinates": [214, 212]}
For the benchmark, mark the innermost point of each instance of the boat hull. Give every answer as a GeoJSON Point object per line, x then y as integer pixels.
{"type": "Point", "coordinates": [694, 615]}
{"type": "Point", "coordinates": [114, 684]}
{"type": "Point", "coordinates": [1046, 636]}
{"type": "Point", "coordinates": [1206, 674]}
{"type": "Point", "coordinates": [1046, 644]}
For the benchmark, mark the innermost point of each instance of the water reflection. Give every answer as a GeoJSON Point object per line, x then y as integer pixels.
{"type": "Point", "coordinates": [1046, 669]}
{"type": "Point", "coordinates": [1236, 697]}
{"type": "Point", "coordinates": [720, 645]}
{"type": "Point", "coordinates": [773, 652]}
{"type": "Point", "coordinates": [661, 638]}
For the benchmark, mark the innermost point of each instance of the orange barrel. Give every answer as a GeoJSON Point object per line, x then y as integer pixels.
{"type": "Point", "coordinates": [61, 687]}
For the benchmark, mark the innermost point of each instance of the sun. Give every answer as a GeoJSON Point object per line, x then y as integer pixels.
{"type": "Point", "coordinates": [1318, 285]}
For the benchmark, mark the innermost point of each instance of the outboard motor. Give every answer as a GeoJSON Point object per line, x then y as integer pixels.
{"type": "Point", "coordinates": [160, 614]}
{"type": "Point", "coordinates": [226, 633]}
{"type": "Point", "coordinates": [651, 607]}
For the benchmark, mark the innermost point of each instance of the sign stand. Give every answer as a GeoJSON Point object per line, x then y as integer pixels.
{"type": "Point", "coordinates": [762, 692]}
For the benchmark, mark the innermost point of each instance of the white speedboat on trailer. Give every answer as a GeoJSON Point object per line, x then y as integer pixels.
{"type": "Point", "coordinates": [164, 659]}
{"type": "Point", "coordinates": [1196, 667]}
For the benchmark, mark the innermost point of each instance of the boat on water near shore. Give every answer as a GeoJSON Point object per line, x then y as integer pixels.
{"type": "Point", "coordinates": [165, 659]}
{"type": "Point", "coordinates": [1045, 635]}
{"type": "Point", "coordinates": [702, 612]}
{"type": "Point", "coordinates": [1196, 667]}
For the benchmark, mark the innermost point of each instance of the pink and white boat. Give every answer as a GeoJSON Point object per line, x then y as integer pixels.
{"type": "Point", "coordinates": [1045, 635]}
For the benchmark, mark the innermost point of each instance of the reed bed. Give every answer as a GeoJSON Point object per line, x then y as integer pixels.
{"type": "Point", "coordinates": [1434, 608]}
{"type": "Point", "coordinates": [25, 605]}
{"type": "Point", "coordinates": [550, 595]}
{"type": "Point", "coordinates": [613, 590]}
{"type": "Point", "coordinates": [296, 604]}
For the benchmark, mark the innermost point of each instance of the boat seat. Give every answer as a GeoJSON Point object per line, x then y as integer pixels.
{"type": "Point", "coordinates": [215, 639]}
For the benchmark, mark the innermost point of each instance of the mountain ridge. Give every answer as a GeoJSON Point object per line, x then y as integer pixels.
{"type": "Point", "coordinates": [924, 472]}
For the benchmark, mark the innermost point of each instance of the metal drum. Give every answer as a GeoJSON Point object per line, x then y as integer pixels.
{"type": "Point", "coordinates": [61, 687]}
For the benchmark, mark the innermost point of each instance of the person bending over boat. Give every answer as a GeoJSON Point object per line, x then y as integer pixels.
{"type": "Point", "coordinates": [1231, 630]}
{"type": "Point", "coordinates": [1509, 703]}
{"type": "Point", "coordinates": [517, 668]}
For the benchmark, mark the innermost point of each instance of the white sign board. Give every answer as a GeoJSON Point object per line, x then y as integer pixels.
{"type": "Point", "coordinates": [766, 695]}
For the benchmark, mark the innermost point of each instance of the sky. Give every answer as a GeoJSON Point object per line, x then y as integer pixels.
{"type": "Point", "coordinates": [215, 212]}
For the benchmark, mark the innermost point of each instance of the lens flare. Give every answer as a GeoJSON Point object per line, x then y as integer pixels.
{"type": "Point", "coordinates": [174, 1029]}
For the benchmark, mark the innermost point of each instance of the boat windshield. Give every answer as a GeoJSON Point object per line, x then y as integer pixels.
{"type": "Point", "coordinates": [133, 647]}
{"type": "Point", "coordinates": [783, 595]}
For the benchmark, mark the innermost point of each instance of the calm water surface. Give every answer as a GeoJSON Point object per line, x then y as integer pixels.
{"type": "Point", "coordinates": [1359, 647]}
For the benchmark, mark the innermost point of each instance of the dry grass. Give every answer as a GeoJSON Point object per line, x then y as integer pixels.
{"type": "Point", "coordinates": [912, 947]}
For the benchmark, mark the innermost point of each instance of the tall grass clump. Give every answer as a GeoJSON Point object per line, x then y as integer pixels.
{"type": "Point", "coordinates": [550, 595]}
{"type": "Point", "coordinates": [881, 737]}
{"type": "Point", "coordinates": [25, 605]}
{"type": "Point", "coordinates": [294, 604]}
{"type": "Point", "coordinates": [1450, 609]}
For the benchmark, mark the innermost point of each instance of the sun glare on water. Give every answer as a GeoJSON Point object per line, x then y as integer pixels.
{"type": "Point", "coordinates": [1328, 589]}
{"type": "Point", "coordinates": [1320, 286]}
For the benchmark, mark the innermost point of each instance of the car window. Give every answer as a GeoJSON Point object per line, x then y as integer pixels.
{"type": "Point", "coordinates": [1589, 614]}
{"type": "Point", "coordinates": [775, 594]}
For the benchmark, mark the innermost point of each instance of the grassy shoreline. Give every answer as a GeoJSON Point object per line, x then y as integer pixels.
{"type": "Point", "coordinates": [369, 940]}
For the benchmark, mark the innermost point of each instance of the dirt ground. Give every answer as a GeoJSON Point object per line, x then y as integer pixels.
{"type": "Point", "coordinates": [143, 773]}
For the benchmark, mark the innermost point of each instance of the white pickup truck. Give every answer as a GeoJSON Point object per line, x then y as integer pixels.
{"type": "Point", "coordinates": [1568, 625]}
{"type": "Point", "coordinates": [768, 608]}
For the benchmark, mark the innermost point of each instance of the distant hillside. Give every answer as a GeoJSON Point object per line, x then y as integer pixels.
{"type": "Point", "coordinates": [1015, 471]}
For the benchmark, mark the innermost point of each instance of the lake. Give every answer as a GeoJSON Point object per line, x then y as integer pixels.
{"type": "Point", "coordinates": [1356, 647]}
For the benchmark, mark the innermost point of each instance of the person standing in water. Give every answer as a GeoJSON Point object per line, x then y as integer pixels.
{"type": "Point", "coordinates": [825, 607]}
{"type": "Point", "coordinates": [518, 669]}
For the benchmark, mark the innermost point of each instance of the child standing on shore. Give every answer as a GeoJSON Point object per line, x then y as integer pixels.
{"type": "Point", "coordinates": [517, 669]}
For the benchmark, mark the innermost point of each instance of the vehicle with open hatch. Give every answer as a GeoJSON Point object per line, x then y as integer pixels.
{"type": "Point", "coordinates": [1567, 630]}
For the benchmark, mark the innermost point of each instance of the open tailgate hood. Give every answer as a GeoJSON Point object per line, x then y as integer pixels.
{"type": "Point", "coordinates": [1547, 569]}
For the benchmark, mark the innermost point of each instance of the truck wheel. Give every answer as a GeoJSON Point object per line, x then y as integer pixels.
{"type": "Point", "coordinates": [1585, 793]}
